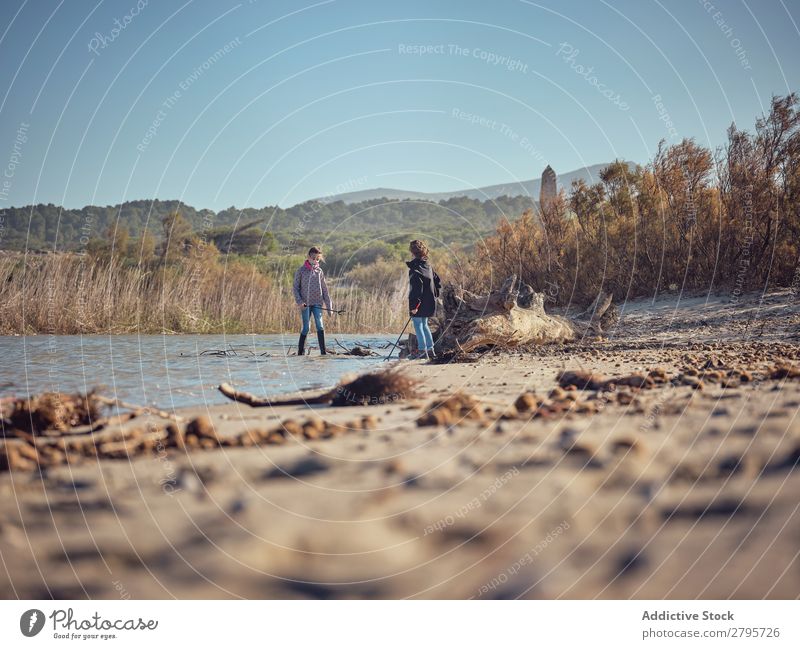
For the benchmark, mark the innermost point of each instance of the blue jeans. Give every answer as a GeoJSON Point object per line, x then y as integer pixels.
{"type": "Point", "coordinates": [424, 335]}
{"type": "Point", "coordinates": [316, 309]}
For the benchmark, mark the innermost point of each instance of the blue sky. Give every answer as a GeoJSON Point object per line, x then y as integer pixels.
{"type": "Point", "coordinates": [256, 103]}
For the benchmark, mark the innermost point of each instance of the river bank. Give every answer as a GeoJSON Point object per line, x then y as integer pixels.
{"type": "Point", "coordinates": [683, 488]}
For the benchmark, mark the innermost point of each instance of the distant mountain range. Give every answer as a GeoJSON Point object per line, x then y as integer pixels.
{"type": "Point", "coordinates": [530, 188]}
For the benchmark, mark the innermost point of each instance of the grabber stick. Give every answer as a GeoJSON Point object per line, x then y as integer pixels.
{"type": "Point", "coordinates": [391, 351]}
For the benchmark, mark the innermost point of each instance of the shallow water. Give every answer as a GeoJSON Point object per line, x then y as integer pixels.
{"type": "Point", "coordinates": [169, 371]}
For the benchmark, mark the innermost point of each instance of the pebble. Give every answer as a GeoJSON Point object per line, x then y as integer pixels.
{"type": "Point", "coordinates": [306, 466]}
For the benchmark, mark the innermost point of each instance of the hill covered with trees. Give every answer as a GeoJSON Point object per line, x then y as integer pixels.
{"type": "Point", "coordinates": [259, 230]}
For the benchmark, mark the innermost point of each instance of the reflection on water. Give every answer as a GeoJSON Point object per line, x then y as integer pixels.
{"type": "Point", "coordinates": [169, 371]}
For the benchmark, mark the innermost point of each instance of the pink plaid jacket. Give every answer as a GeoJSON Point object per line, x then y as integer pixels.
{"type": "Point", "coordinates": [309, 287]}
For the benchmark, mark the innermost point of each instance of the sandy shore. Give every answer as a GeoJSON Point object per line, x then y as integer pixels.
{"type": "Point", "coordinates": [672, 492]}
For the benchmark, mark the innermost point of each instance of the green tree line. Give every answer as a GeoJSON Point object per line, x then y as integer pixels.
{"type": "Point", "coordinates": [252, 231]}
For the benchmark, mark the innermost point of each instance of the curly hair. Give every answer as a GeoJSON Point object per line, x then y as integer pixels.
{"type": "Point", "coordinates": [418, 248]}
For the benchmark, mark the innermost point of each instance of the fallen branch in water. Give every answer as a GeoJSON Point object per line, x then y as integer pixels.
{"type": "Point", "coordinates": [359, 349]}
{"type": "Point", "coordinates": [231, 351]}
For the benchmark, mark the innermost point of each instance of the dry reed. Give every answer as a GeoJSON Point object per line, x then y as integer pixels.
{"type": "Point", "coordinates": [72, 294]}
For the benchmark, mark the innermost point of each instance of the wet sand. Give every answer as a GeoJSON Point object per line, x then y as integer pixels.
{"type": "Point", "coordinates": [676, 491]}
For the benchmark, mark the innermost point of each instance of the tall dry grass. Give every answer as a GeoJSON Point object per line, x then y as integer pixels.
{"type": "Point", "coordinates": [71, 294]}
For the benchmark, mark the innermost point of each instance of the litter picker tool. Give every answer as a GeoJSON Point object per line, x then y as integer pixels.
{"type": "Point", "coordinates": [324, 308]}
{"type": "Point", "coordinates": [391, 351]}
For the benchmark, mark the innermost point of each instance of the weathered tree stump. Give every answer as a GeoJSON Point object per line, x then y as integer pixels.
{"type": "Point", "coordinates": [510, 316]}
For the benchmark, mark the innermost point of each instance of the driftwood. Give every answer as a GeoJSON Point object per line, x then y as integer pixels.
{"type": "Point", "coordinates": [601, 311]}
{"type": "Point", "coordinates": [301, 398]}
{"type": "Point", "coordinates": [138, 410]}
{"type": "Point", "coordinates": [374, 388]}
{"type": "Point", "coordinates": [510, 316]}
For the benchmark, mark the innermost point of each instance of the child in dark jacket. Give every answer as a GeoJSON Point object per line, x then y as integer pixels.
{"type": "Point", "coordinates": [310, 294]}
{"type": "Point", "coordinates": [424, 285]}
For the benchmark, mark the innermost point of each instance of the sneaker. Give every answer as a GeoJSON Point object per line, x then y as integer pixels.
{"type": "Point", "coordinates": [431, 353]}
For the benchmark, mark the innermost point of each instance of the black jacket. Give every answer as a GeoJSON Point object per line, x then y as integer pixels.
{"type": "Point", "coordinates": [424, 285]}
